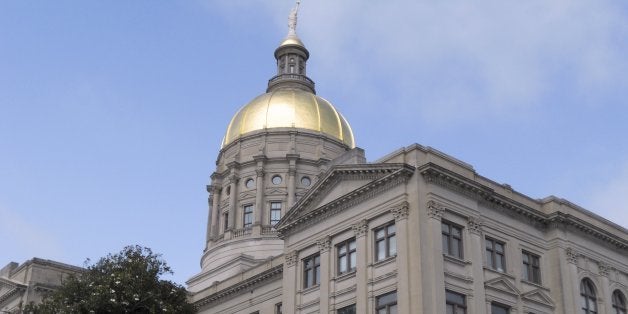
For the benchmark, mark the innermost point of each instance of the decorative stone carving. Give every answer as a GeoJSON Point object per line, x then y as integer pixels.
{"type": "Point", "coordinates": [324, 244]}
{"type": "Point", "coordinates": [260, 173]}
{"type": "Point", "coordinates": [360, 228]}
{"type": "Point", "coordinates": [474, 225]}
{"type": "Point", "coordinates": [291, 258]}
{"type": "Point", "coordinates": [435, 210]}
{"type": "Point", "coordinates": [603, 268]}
{"type": "Point", "coordinates": [572, 256]}
{"type": "Point", "coordinates": [233, 178]}
{"type": "Point", "coordinates": [400, 211]}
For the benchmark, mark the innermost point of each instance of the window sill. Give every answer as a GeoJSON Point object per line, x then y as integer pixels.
{"type": "Point", "coordinates": [310, 289]}
{"type": "Point", "coordinates": [538, 285]}
{"type": "Point", "coordinates": [344, 276]}
{"type": "Point", "coordinates": [456, 260]}
{"type": "Point", "coordinates": [385, 261]}
{"type": "Point", "coordinates": [503, 273]}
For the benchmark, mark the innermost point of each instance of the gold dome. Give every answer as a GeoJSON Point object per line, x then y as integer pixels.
{"type": "Point", "coordinates": [289, 108]}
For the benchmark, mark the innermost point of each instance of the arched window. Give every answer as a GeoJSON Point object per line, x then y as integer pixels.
{"type": "Point", "coordinates": [619, 302]}
{"type": "Point", "coordinates": [588, 300]}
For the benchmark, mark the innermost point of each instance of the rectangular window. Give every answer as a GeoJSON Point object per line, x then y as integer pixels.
{"type": "Point", "coordinates": [275, 212]}
{"type": "Point", "coordinates": [531, 267]}
{"type": "Point", "coordinates": [499, 309]}
{"type": "Point", "coordinates": [347, 310]}
{"type": "Point", "coordinates": [248, 216]}
{"type": "Point", "coordinates": [311, 271]}
{"type": "Point", "coordinates": [452, 239]}
{"type": "Point", "coordinates": [225, 222]}
{"type": "Point", "coordinates": [495, 255]}
{"type": "Point", "coordinates": [455, 303]}
{"type": "Point", "coordinates": [385, 242]}
{"type": "Point", "coordinates": [386, 303]}
{"type": "Point", "coordinates": [278, 308]}
{"type": "Point", "coordinates": [346, 256]}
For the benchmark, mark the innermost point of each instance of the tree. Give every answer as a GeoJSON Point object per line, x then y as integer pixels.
{"type": "Point", "coordinates": [126, 282]}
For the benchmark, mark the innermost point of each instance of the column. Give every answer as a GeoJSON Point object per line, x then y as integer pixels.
{"type": "Point", "coordinates": [400, 213]}
{"type": "Point", "coordinates": [292, 173]}
{"type": "Point", "coordinates": [361, 275]}
{"type": "Point", "coordinates": [324, 246]}
{"type": "Point", "coordinates": [435, 297]}
{"type": "Point", "coordinates": [259, 202]}
{"type": "Point", "coordinates": [475, 251]}
{"type": "Point", "coordinates": [290, 272]}
{"type": "Point", "coordinates": [233, 192]}
{"type": "Point", "coordinates": [210, 214]}
{"type": "Point", "coordinates": [216, 212]}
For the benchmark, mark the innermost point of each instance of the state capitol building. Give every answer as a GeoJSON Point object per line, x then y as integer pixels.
{"type": "Point", "coordinates": [300, 222]}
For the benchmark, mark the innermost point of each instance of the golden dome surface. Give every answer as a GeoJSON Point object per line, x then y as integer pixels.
{"type": "Point", "coordinates": [290, 108]}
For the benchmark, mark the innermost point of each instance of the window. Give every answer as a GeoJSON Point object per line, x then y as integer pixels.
{"type": "Point", "coordinates": [250, 183]}
{"type": "Point", "coordinates": [276, 179]}
{"type": "Point", "coordinates": [311, 271]}
{"type": "Point", "coordinates": [248, 216]}
{"type": "Point", "coordinates": [226, 222]}
{"type": "Point", "coordinates": [499, 309]}
{"type": "Point", "coordinates": [278, 308]}
{"type": "Point", "coordinates": [306, 181]}
{"type": "Point", "coordinates": [386, 303]}
{"type": "Point", "coordinates": [588, 300]}
{"type": "Point", "coordinates": [385, 242]}
{"type": "Point", "coordinates": [346, 256]}
{"type": "Point", "coordinates": [452, 239]}
{"type": "Point", "coordinates": [347, 310]}
{"type": "Point", "coordinates": [619, 303]}
{"type": "Point", "coordinates": [275, 212]}
{"type": "Point", "coordinates": [531, 267]}
{"type": "Point", "coordinates": [455, 303]}
{"type": "Point", "coordinates": [495, 255]}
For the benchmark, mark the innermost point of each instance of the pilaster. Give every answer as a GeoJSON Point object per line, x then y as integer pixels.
{"type": "Point", "coordinates": [290, 282]}
{"type": "Point", "coordinates": [361, 294]}
{"type": "Point", "coordinates": [324, 246]}
{"type": "Point", "coordinates": [435, 298]}
{"type": "Point", "coordinates": [400, 213]}
{"type": "Point", "coordinates": [475, 251]}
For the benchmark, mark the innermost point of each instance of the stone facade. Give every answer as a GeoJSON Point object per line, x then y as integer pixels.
{"type": "Point", "coordinates": [29, 282]}
{"type": "Point", "coordinates": [417, 231]}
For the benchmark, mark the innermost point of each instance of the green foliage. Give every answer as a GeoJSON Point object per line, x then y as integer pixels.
{"type": "Point", "coordinates": [126, 282]}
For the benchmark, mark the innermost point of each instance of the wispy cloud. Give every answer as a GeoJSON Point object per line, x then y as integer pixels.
{"type": "Point", "coordinates": [459, 59]}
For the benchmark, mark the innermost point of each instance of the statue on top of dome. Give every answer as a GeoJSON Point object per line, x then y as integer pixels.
{"type": "Point", "coordinates": [292, 20]}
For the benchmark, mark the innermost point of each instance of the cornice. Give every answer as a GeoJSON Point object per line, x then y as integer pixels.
{"type": "Point", "coordinates": [558, 218]}
{"type": "Point", "coordinates": [294, 222]}
{"type": "Point", "coordinates": [446, 178]}
{"type": "Point", "coordinates": [240, 287]}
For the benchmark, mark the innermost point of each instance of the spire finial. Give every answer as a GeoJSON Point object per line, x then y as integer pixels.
{"type": "Point", "coordinates": [292, 20]}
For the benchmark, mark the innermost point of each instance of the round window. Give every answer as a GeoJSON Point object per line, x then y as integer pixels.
{"type": "Point", "coordinates": [250, 183]}
{"type": "Point", "coordinates": [276, 179]}
{"type": "Point", "coordinates": [306, 181]}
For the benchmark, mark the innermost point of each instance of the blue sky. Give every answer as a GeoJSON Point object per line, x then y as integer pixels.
{"type": "Point", "coordinates": [112, 112]}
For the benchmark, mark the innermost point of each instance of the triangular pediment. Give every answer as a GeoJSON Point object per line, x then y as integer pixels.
{"type": "Point", "coordinates": [247, 194]}
{"type": "Point", "coordinates": [276, 191]}
{"type": "Point", "coordinates": [502, 284]}
{"type": "Point", "coordinates": [538, 296]}
{"type": "Point", "coordinates": [343, 183]}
